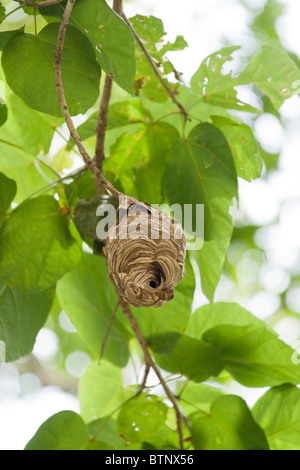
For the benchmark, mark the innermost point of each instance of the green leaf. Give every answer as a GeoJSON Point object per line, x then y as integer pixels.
{"type": "Point", "coordinates": [201, 171]}
{"type": "Point", "coordinates": [193, 358]}
{"type": "Point", "coordinates": [198, 109]}
{"type": "Point", "coordinates": [2, 12]}
{"type": "Point", "coordinates": [228, 426]}
{"type": "Point", "coordinates": [105, 429]}
{"type": "Point", "coordinates": [150, 29]}
{"type": "Point", "coordinates": [3, 114]}
{"type": "Point", "coordinates": [65, 430]}
{"type": "Point", "coordinates": [53, 12]}
{"type": "Point", "coordinates": [21, 318]}
{"type": "Point", "coordinates": [37, 247]}
{"type": "Point", "coordinates": [25, 138]}
{"type": "Point", "coordinates": [147, 81]}
{"type": "Point", "coordinates": [265, 22]}
{"type": "Point", "coordinates": [197, 397]}
{"type": "Point", "coordinates": [220, 313]}
{"type": "Point", "coordinates": [28, 64]}
{"type": "Point", "coordinates": [165, 438]}
{"type": "Point", "coordinates": [141, 418]}
{"type": "Point", "coordinates": [216, 87]}
{"type": "Point", "coordinates": [120, 114]}
{"type": "Point", "coordinates": [243, 146]}
{"type": "Point", "coordinates": [19, 165]}
{"type": "Point", "coordinates": [138, 161]}
{"type": "Point", "coordinates": [278, 413]}
{"type": "Point", "coordinates": [178, 45]}
{"type": "Point", "coordinates": [27, 128]}
{"type": "Point", "coordinates": [89, 298]}
{"type": "Point", "coordinates": [211, 257]}
{"type": "Point", "coordinates": [274, 72]}
{"type": "Point", "coordinates": [127, 112]}
{"type": "Point", "coordinates": [6, 35]}
{"type": "Point", "coordinates": [101, 390]}
{"type": "Point", "coordinates": [83, 186]}
{"type": "Point", "coordinates": [8, 189]}
{"type": "Point", "coordinates": [112, 39]}
{"type": "Point", "coordinates": [253, 355]}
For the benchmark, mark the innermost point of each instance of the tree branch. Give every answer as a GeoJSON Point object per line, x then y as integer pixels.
{"type": "Point", "coordinates": [150, 363]}
{"type": "Point", "coordinates": [62, 101]}
{"type": "Point", "coordinates": [91, 164]}
{"type": "Point", "coordinates": [102, 118]}
{"type": "Point", "coordinates": [46, 3]}
{"type": "Point", "coordinates": [101, 128]}
{"type": "Point", "coordinates": [149, 58]}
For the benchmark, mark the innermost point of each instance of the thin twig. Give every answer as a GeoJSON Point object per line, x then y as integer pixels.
{"type": "Point", "coordinates": [150, 363]}
{"type": "Point", "coordinates": [101, 128]}
{"type": "Point", "coordinates": [63, 104]}
{"type": "Point", "coordinates": [143, 383]}
{"type": "Point", "coordinates": [149, 58]}
{"type": "Point", "coordinates": [102, 118]}
{"type": "Point", "coordinates": [10, 13]}
{"type": "Point", "coordinates": [46, 3]}
{"type": "Point", "coordinates": [108, 331]}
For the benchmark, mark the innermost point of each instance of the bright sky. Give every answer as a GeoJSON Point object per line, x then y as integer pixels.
{"type": "Point", "coordinates": [273, 203]}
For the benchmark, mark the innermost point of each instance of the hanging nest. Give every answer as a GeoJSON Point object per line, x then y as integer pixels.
{"type": "Point", "coordinates": [145, 251]}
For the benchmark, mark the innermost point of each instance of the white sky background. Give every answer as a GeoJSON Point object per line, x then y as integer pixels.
{"type": "Point", "coordinates": [273, 203]}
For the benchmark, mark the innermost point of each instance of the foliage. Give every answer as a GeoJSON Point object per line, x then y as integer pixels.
{"type": "Point", "coordinates": [157, 155]}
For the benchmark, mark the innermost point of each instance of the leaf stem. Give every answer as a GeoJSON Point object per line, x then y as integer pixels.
{"type": "Point", "coordinates": [35, 27]}
{"type": "Point", "coordinates": [149, 58]}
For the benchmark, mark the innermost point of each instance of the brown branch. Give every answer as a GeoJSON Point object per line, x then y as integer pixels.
{"type": "Point", "coordinates": [62, 101]}
{"type": "Point", "coordinates": [46, 3]}
{"type": "Point", "coordinates": [102, 118]}
{"type": "Point", "coordinates": [98, 173]}
{"type": "Point", "coordinates": [101, 128]}
{"type": "Point", "coordinates": [150, 363]}
{"type": "Point", "coordinates": [149, 58]}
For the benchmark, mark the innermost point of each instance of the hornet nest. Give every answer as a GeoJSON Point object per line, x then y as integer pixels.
{"type": "Point", "coordinates": [145, 251]}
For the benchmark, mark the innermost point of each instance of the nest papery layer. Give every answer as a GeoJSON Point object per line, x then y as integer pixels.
{"type": "Point", "coordinates": [145, 251]}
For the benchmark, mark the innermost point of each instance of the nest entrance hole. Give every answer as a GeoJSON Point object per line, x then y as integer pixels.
{"type": "Point", "coordinates": [158, 276]}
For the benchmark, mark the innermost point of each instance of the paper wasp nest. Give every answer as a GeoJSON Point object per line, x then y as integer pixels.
{"type": "Point", "coordinates": [145, 251]}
